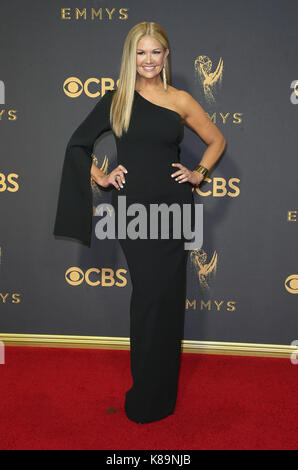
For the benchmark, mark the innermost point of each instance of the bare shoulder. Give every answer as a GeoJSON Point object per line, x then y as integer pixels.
{"type": "Point", "coordinates": [175, 93]}
{"type": "Point", "coordinates": [184, 101]}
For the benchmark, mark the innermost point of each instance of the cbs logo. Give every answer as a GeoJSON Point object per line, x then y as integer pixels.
{"type": "Point", "coordinates": [73, 87]}
{"type": "Point", "coordinates": [220, 187]}
{"type": "Point", "coordinates": [7, 183]}
{"type": "Point", "coordinates": [105, 277]}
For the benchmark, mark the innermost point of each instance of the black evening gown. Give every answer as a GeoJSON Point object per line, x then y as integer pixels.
{"type": "Point", "coordinates": [157, 266]}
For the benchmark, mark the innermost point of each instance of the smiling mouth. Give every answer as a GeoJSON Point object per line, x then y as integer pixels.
{"type": "Point", "coordinates": [149, 67]}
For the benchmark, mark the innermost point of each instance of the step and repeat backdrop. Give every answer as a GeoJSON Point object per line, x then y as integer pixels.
{"type": "Point", "coordinates": [238, 59]}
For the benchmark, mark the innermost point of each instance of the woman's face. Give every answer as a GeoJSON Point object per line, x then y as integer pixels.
{"type": "Point", "coordinates": [150, 57]}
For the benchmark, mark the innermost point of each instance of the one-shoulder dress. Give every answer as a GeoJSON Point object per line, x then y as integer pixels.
{"type": "Point", "coordinates": [157, 266]}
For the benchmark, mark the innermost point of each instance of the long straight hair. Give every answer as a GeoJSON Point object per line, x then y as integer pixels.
{"type": "Point", "coordinates": [121, 105]}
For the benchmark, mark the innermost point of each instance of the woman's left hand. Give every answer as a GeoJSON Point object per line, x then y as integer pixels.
{"type": "Point", "coordinates": [184, 174]}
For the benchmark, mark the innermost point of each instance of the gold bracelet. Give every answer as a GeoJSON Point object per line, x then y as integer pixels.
{"type": "Point", "coordinates": [201, 169]}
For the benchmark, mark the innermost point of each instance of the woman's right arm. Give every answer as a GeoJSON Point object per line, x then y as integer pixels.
{"type": "Point", "coordinates": [74, 208]}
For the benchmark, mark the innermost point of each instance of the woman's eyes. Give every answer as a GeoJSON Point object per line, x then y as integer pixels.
{"type": "Point", "coordinates": [155, 52]}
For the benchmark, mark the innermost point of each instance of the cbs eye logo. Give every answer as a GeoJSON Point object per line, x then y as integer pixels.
{"type": "Point", "coordinates": [74, 276]}
{"type": "Point", "coordinates": [7, 182]}
{"type": "Point", "coordinates": [74, 87]}
{"type": "Point", "coordinates": [291, 284]}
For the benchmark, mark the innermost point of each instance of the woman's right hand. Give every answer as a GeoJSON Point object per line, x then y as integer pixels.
{"type": "Point", "coordinates": [116, 177]}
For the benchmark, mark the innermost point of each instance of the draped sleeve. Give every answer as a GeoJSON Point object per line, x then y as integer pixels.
{"type": "Point", "coordinates": [75, 204]}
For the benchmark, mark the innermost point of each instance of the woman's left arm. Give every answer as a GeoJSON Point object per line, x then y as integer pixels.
{"type": "Point", "coordinates": [196, 118]}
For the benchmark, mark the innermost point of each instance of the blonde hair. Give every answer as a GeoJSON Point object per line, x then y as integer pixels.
{"type": "Point", "coordinates": [121, 105]}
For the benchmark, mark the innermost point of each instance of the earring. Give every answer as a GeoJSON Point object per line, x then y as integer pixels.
{"type": "Point", "coordinates": [164, 77]}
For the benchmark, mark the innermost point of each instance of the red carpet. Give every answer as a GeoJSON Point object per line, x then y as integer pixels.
{"type": "Point", "coordinates": [54, 398]}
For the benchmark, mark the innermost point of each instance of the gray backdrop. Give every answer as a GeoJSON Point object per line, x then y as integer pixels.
{"type": "Point", "coordinates": [248, 224]}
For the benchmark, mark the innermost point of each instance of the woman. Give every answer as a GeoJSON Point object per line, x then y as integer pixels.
{"type": "Point", "coordinates": [146, 116]}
